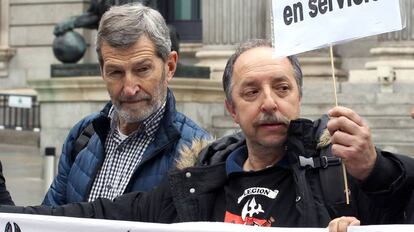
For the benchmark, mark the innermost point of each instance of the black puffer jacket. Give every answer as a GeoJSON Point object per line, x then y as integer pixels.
{"type": "Point", "coordinates": [188, 194]}
{"type": "Point", "coordinates": [5, 198]}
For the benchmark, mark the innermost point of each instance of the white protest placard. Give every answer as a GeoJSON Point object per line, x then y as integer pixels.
{"type": "Point", "coordinates": [304, 25]}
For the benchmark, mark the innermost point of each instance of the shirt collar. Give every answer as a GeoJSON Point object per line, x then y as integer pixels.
{"type": "Point", "coordinates": [234, 162]}
{"type": "Point", "coordinates": [148, 126]}
{"type": "Point", "coordinates": [236, 159]}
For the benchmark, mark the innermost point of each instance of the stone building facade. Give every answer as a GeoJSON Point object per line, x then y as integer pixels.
{"type": "Point", "coordinates": [26, 56]}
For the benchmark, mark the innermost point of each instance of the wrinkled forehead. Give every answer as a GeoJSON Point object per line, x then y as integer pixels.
{"type": "Point", "coordinates": [260, 60]}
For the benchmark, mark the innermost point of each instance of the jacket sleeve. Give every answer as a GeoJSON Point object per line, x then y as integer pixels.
{"type": "Point", "coordinates": [154, 206]}
{"type": "Point", "coordinates": [119, 209]}
{"type": "Point", "coordinates": [56, 195]}
{"type": "Point", "coordinates": [392, 175]}
{"type": "Point", "coordinates": [5, 198]}
{"type": "Point", "coordinates": [389, 186]}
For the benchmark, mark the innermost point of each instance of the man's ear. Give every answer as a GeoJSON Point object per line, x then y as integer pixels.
{"type": "Point", "coordinates": [171, 65]}
{"type": "Point", "coordinates": [231, 110]}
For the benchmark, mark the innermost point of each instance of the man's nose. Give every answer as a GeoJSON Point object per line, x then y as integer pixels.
{"type": "Point", "coordinates": [131, 85]}
{"type": "Point", "coordinates": [269, 103]}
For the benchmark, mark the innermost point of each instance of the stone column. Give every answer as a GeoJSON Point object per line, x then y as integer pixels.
{"type": "Point", "coordinates": [6, 53]}
{"type": "Point", "coordinates": [227, 23]}
{"type": "Point", "coordinates": [396, 49]}
{"type": "Point", "coordinates": [316, 65]}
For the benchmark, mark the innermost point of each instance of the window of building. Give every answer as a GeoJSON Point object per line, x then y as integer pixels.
{"type": "Point", "coordinates": [185, 16]}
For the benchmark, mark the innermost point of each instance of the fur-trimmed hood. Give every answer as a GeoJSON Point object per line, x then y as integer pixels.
{"type": "Point", "coordinates": [189, 155]}
{"type": "Point", "coordinates": [204, 152]}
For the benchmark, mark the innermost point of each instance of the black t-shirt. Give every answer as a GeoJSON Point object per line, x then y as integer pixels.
{"type": "Point", "coordinates": [262, 198]}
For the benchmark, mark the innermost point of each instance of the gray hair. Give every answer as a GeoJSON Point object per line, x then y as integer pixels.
{"type": "Point", "coordinates": [250, 44]}
{"type": "Point", "coordinates": [122, 26]}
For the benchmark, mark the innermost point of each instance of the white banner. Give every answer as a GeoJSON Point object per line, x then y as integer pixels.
{"type": "Point", "coordinates": [304, 25]}
{"type": "Point", "coordinates": [382, 228]}
{"type": "Point", "coordinates": [37, 223]}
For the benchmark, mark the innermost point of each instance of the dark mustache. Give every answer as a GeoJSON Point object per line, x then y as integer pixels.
{"type": "Point", "coordinates": [138, 97]}
{"type": "Point", "coordinates": [272, 119]}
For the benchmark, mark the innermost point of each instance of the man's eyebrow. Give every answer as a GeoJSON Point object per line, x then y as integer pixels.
{"type": "Point", "coordinates": [111, 66]}
{"type": "Point", "coordinates": [252, 81]}
{"type": "Point", "coordinates": [142, 62]}
{"type": "Point", "coordinates": [280, 78]}
{"type": "Point", "coordinates": [137, 63]}
{"type": "Point", "coordinates": [248, 83]}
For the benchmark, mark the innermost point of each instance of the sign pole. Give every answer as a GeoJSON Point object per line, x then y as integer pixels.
{"type": "Point", "coordinates": [336, 104]}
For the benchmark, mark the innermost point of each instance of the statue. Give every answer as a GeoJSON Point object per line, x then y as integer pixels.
{"type": "Point", "coordinates": [69, 46]}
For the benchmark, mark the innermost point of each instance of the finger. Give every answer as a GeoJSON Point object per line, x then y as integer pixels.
{"type": "Point", "coordinates": [343, 225]}
{"type": "Point", "coordinates": [355, 222]}
{"type": "Point", "coordinates": [350, 114]}
{"type": "Point", "coordinates": [345, 222]}
{"type": "Point", "coordinates": [350, 144]}
{"type": "Point", "coordinates": [343, 124]}
{"type": "Point", "coordinates": [359, 141]}
{"type": "Point", "coordinates": [333, 225]}
{"type": "Point", "coordinates": [343, 138]}
{"type": "Point", "coordinates": [342, 152]}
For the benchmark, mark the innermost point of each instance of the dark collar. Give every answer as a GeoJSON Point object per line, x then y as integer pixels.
{"type": "Point", "coordinates": [301, 139]}
{"type": "Point", "coordinates": [236, 159]}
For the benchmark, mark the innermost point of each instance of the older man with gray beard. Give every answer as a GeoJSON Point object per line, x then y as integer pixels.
{"type": "Point", "coordinates": [133, 142]}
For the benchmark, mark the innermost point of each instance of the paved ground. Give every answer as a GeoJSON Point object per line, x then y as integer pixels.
{"type": "Point", "coordinates": [22, 167]}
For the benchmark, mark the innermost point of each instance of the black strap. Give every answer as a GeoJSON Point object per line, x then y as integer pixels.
{"type": "Point", "coordinates": [331, 180]}
{"type": "Point", "coordinates": [323, 161]}
{"type": "Point", "coordinates": [332, 184]}
{"type": "Point", "coordinates": [81, 141]}
{"type": "Point", "coordinates": [330, 176]}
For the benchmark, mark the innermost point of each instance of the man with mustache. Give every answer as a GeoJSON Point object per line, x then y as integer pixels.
{"type": "Point", "coordinates": [269, 174]}
{"type": "Point", "coordinates": [137, 136]}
